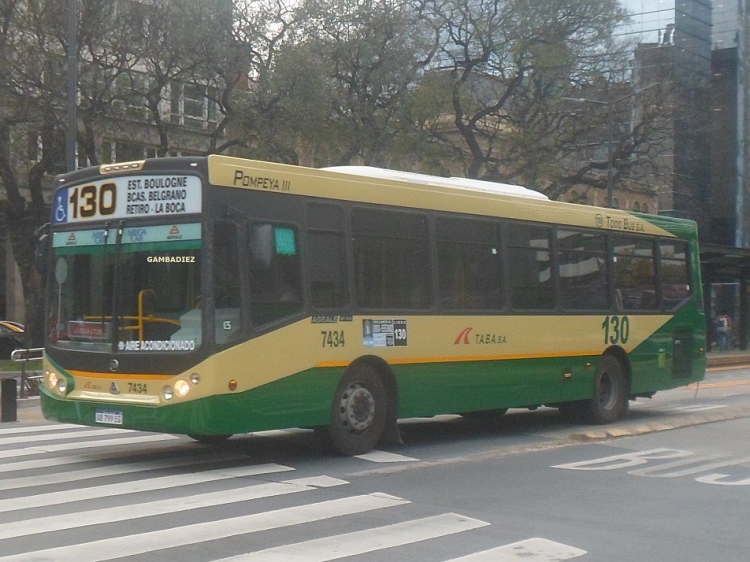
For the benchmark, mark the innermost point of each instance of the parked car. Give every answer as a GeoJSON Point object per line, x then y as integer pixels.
{"type": "Point", "coordinates": [11, 337]}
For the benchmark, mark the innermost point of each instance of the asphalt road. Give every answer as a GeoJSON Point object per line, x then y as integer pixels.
{"type": "Point", "coordinates": [669, 483]}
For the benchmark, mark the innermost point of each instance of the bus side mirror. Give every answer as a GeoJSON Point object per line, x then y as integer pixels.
{"type": "Point", "coordinates": [41, 259]}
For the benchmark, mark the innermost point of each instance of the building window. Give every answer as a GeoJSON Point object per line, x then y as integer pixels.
{"type": "Point", "coordinates": [193, 105]}
{"type": "Point", "coordinates": [34, 146]}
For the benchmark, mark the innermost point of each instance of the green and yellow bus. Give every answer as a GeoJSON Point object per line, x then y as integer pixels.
{"type": "Point", "coordinates": [214, 296]}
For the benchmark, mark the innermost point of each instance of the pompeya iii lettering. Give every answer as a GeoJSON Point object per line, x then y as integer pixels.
{"type": "Point", "coordinates": [259, 182]}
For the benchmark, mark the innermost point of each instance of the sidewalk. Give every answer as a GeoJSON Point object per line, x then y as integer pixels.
{"type": "Point", "coordinates": [725, 359]}
{"type": "Point", "coordinates": [29, 411]}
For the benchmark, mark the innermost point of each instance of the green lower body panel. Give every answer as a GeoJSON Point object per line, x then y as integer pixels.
{"type": "Point", "coordinates": [304, 399]}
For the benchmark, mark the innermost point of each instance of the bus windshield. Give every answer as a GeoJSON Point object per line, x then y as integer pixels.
{"type": "Point", "coordinates": [131, 289]}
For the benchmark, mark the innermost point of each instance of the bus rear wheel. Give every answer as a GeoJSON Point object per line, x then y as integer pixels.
{"type": "Point", "coordinates": [358, 412]}
{"type": "Point", "coordinates": [610, 400]}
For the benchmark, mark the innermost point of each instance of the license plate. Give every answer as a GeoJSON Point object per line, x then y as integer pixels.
{"type": "Point", "coordinates": [109, 416]}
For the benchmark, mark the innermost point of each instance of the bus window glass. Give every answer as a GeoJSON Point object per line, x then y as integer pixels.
{"type": "Point", "coordinates": [469, 264]}
{"type": "Point", "coordinates": [582, 269]}
{"type": "Point", "coordinates": [530, 267]}
{"type": "Point", "coordinates": [675, 274]}
{"type": "Point", "coordinates": [327, 271]}
{"type": "Point", "coordinates": [275, 276]}
{"type": "Point", "coordinates": [327, 265]}
{"type": "Point", "coordinates": [635, 273]}
{"type": "Point", "coordinates": [227, 321]}
{"type": "Point", "coordinates": [149, 281]}
{"type": "Point", "coordinates": [391, 259]}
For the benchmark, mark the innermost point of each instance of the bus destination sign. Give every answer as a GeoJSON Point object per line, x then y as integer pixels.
{"type": "Point", "coordinates": [128, 197]}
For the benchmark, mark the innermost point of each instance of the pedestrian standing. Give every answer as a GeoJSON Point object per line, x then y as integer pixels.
{"type": "Point", "coordinates": [723, 331]}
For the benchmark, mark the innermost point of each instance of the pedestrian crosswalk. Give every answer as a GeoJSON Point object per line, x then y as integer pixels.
{"type": "Point", "coordinates": [70, 494]}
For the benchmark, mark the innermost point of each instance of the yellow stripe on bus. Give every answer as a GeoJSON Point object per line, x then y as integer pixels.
{"type": "Point", "coordinates": [120, 376]}
{"type": "Point", "coordinates": [468, 359]}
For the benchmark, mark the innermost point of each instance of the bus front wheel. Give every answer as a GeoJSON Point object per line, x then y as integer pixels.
{"type": "Point", "coordinates": [358, 412]}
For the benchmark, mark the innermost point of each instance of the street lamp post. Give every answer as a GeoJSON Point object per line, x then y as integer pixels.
{"type": "Point", "coordinates": [610, 135]}
{"type": "Point", "coordinates": [70, 145]}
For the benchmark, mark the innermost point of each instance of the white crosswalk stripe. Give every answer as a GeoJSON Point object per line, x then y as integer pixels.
{"type": "Point", "coordinates": [151, 484]}
{"type": "Point", "coordinates": [361, 542]}
{"type": "Point", "coordinates": [160, 507]}
{"type": "Point", "coordinates": [118, 547]}
{"type": "Point", "coordinates": [530, 549]}
{"type": "Point", "coordinates": [61, 436]}
{"type": "Point", "coordinates": [177, 495]}
{"type": "Point", "coordinates": [101, 472]}
{"type": "Point", "coordinates": [80, 445]}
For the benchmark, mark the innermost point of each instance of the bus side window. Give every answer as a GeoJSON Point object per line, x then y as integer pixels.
{"type": "Point", "coordinates": [327, 263]}
{"type": "Point", "coordinates": [227, 320]}
{"type": "Point", "coordinates": [582, 270]}
{"type": "Point", "coordinates": [391, 257]}
{"type": "Point", "coordinates": [635, 273]}
{"type": "Point", "coordinates": [275, 276]}
{"type": "Point", "coordinates": [530, 274]}
{"type": "Point", "coordinates": [469, 264]}
{"type": "Point", "coordinates": [675, 273]}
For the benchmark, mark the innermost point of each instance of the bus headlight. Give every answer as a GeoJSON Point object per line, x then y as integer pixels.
{"type": "Point", "coordinates": [52, 379]}
{"type": "Point", "coordinates": [181, 388]}
{"type": "Point", "coordinates": [56, 382]}
{"type": "Point", "coordinates": [167, 392]}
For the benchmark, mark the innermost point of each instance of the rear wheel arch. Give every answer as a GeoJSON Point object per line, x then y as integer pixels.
{"type": "Point", "coordinates": [622, 356]}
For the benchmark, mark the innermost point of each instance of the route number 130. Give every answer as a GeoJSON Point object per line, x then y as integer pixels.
{"type": "Point", "coordinates": [89, 199]}
{"type": "Point", "coordinates": [616, 329]}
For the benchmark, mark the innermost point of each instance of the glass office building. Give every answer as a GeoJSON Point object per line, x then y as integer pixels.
{"type": "Point", "coordinates": [673, 38]}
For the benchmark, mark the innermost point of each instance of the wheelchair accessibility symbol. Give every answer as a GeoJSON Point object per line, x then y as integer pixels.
{"type": "Point", "coordinates": [61, 204]}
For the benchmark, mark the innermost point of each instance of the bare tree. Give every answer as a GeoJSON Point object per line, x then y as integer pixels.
{"type": "Point", "coordinates": [373, 53]}
{"type": "Point", "coordinates": [508, 64]}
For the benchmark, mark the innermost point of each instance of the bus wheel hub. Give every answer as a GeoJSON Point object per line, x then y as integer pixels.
{"type": "Point", "coordinates": [357, 407]}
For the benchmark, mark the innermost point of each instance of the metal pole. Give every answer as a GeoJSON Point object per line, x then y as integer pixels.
{"type": "Point", "coordinates": [610, 136]}
{"type": "Point", "coordinates": [610, 163]}
{"type": "Point", "coordinates": [70, 149]}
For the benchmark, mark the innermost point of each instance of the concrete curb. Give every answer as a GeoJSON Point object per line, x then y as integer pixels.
{"type": "Point", "coordinates": [727, 361]}
{"type": "Point", "coordinates": [673, 423]}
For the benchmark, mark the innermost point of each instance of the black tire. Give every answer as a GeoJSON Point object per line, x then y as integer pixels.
{"type": "Point", "coordinates": [211, 440]}
{"type": "Point", "coordinates": [610, 400]}
{"type": "Point", "coordinates": [358, 412]}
